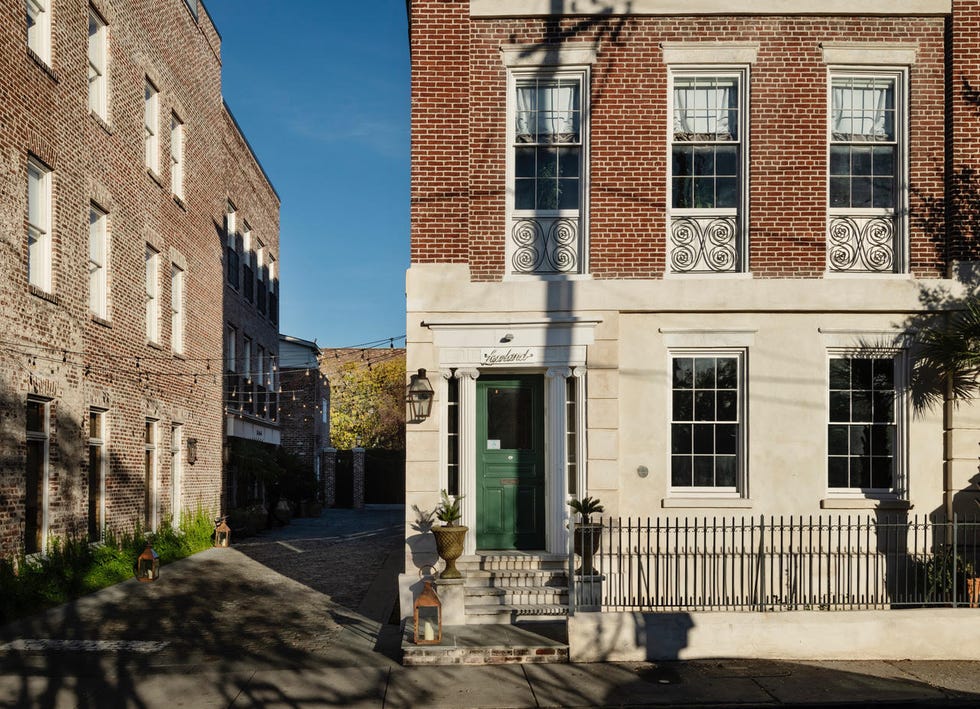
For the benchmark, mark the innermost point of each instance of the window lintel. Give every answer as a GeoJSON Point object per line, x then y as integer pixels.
{"type": "Point", "coordinates": [531, 55]}
{"type": "Point", "coordinates": [709, 52]}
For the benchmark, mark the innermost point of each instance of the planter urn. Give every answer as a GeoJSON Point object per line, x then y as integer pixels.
{"type": "Point", "coordinates": [587, 537]}
{"type": "Point", "coordinates": [449, 545]}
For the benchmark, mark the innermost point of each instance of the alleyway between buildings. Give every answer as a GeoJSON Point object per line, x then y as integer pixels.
{"type": "Point", "coordinates": [298, 618]}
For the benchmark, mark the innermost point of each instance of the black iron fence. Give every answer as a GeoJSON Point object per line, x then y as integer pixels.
{"type": "Point", "coordinates": [775, 563]}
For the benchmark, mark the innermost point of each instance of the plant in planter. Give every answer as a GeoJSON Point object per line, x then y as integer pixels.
{"type": "Point", "coordinates": [587, 532]}
{"type": "Point", "coordinates": [450, 536]}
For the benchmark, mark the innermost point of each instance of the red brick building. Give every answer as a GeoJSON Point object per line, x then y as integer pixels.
{"type": "Point", "coordinates": [118, 160]}
{"type": "Point", "coordinates": [673, 255]}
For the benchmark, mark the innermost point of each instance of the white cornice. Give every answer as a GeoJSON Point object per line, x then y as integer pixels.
{"type": "Point", "coordinates": [606, 8]}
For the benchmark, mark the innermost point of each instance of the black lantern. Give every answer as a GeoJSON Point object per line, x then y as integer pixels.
{"type": "Point", "coordinates": [420, 396]}
{"type": "Point", "coordinates": [428, 616]}
{"type": "Point", "coordinates": [148, 565]}
{"type": "Point", "coordinates": [222, 533]}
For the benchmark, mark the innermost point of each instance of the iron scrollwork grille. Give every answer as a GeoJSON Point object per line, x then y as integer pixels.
{"type": "Point", "coordinates": [865, 244]}
{"type": "Point", "coordinates": [704, 245]}
{"type": "Point", "coordinates": [545, 246]}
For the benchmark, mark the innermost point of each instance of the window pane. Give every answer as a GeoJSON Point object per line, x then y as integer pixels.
{"type": "Point", "coordinates": [524, 194]}
{"type": "Point", "coordinates": [726, 439]}
{"type": "Point", "coordinates": [861, 192]}
{"type": "Point", "coordinates": [35, 416]}
{"type": "Point", "coordinates": [680, 471]}
{"type": "Point", "coordinates": [859, 440]}
{"type": "Point", "coordinates": [682, 192]}
{"type": "Point", "coordinates": [704, 406]}
{"type": "Point", "coordinates": [683, 373]}
{"type": "Point", "coordinates": [681, 438]}
{"type": "Point", "coordinates": [509, 413]}
{"type": "Point", "coordinates": [840, 406]}
{"type": "Point", "coordinates": [861, 406]}
{"type": "Point", "coordinates": [704, 373]}
{"type": "Point", "coordinates": [726, 160]}
{"type": "Point", "coordinates": [727, 369]}
{"type": "Point", "coordinates": [840, 373]}
{"type": "Point", "coordinates": [727, 193]}
{"type": "Point", "coordinates": [727, 406]}
{"type": "Point", "coordinates": [704, 438]}
{"type": "Point", "coordinates": [840, 192]}
{"type": "Point", "coordinates": [862, 373]}
{"type": "Point", "coordinates": [683, 406]}
{"type": "Point", "coordinates": [840, 160]}
{"type": "Point", "coordinates": [837, 438]}
{"type": "Point", "coordinates": [837, 475]}
{"type": "Point", "coordinates": [704, 471]}
{"type": "Point", "coordinates": [725, 471]}
{"type": "Point", "coordinates": [683, 161]}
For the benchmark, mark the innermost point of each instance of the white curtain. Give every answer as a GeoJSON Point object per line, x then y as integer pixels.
{"type": "Point", "coordinates": [705, 108]}
{"type": "Point", "coordinates": [547, 112]}
{"type": "Point", "coordinates": [863, 109]}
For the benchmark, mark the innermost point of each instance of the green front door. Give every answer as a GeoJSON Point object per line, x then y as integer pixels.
{"type": "Point", "coordinates": [510, 491]}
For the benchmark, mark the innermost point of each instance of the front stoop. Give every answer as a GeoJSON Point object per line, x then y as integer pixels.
{"type": "Point", "coordinates": [524, 643]}
{"type": "Point", "coordinates": [504, 588]}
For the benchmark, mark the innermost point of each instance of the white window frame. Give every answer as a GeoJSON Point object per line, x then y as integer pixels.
{"type": "Point", "coordinates": [900, 483]}
{"type": "Point", "coordinates": [176, 156]}
{"type": "Point", "coordinates": [44, 437]}
{"type": "Point", "coordinates": [176, 472]}
{"type": "Point", "coordinates": [39, 33]}
{"type": "Point", "coordinates": [259, 259]}
{"type": "Point", "coordinates": [177, 310]}
{"type": "Point", "coordinates": [151, 126]}
{"type": "Point", "coordinates": [152, 474]}
{"type": "Point", "coordinates": [100, 441]}
{"type": "Point", "coordinates": [152, 295]}
{"type": "Point", "coordinates": [98, 262]}
{"type": "Point", "coordinates": [900, 213]}
{"type": "Point", "coordinates": [98, 64]}
{"type": "Point", "coordinates": [571, 61]}
{"type": "Point", "coordinates": [687, 238]}
{"type": "Point", "coordinates": [39, 225]}
{"type": "Point", "coordinates": [740, 489]}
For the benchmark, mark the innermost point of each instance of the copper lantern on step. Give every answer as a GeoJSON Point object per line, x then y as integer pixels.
{"type": "Point", "coordinates": [428, 616]}
{"type": "Point", "coordinates": [222, 533]}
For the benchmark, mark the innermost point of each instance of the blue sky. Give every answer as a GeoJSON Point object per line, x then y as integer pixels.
{"type": "Point", "coordinates": [321, 90]}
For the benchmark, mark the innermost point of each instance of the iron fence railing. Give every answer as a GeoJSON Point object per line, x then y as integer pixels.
{"type": "Point", "coordinates": [771, 564]}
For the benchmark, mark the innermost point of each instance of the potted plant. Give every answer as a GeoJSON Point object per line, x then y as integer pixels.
{"type": "Point", "coordinates": [450, 536]}
{"type": "Point", "coordinates": [587, 532]}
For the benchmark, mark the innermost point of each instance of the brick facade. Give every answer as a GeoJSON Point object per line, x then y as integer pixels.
{"type": "Point", "coordinates": [459, 138]}
{"type": "Point", "coordinates": [304, 403]}
{"type": "Point", "coordinates": [54, 349]}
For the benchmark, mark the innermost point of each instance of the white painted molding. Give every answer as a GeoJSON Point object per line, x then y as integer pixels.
{"type": "Point", "coordinates": [710, 52]}
{"type": "Point", "coordinates": [877, 53]}
{"type": "Point", "coordinates": [612, 8]}
{"type": "Point", "coordinates": [681, 338]}
{"type": "Point", "coordinates": [566, 54]}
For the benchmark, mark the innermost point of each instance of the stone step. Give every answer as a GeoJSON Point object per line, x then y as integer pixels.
{"type": "Point", "coordinates": [516, 597]}
{"type": "Point", "coordinates": [490, 645]}
{"type": "Point", "coordinates": [504, 613]}
{"type": "Point", "coordinates": [528, 578]}
{"type": "Point", "coordinates": [511, 562]}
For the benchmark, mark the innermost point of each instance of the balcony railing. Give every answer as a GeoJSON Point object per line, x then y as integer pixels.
{"type": "Point", "coordinates": [861, 244]}
{"type": "Point", "coordinates": [704, 245]}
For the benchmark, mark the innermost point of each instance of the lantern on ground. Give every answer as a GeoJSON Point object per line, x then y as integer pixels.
{"type": "Point", "coordinates": [148, 565]}
{"type": "Point", "coordinates": [222, 533]}
{"type": "Point", "coordinates": [428, 616]}
{"type": "Point", "coordinates": [419, 396]}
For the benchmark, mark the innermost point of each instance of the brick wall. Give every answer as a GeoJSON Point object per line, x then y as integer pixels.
{"type": "Point", "coordinates": [459, 135]}
{"type": "Point", "coordinates": [51, 346]}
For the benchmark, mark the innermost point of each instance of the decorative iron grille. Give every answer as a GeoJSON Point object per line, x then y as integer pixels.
{"type": "Point", "coordinates": [704, 244]}
{"type": "Point", "coordinates": [862, 244]}
{"type": "Point", "coordinates": [544, 246]}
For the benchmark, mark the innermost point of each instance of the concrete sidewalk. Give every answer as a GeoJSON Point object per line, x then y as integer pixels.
{"type": "Point", "coordinates": [296, 618]}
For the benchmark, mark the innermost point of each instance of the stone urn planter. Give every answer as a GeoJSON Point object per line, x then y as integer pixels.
{"type": "Point", "coordinates": [449, 545]}
{"type": "Point", "coordinates": [450, 536]}
{"type": "Point", "coordinates": [587, 533]}
{"type": "Point", "coordinates": [587, 538]}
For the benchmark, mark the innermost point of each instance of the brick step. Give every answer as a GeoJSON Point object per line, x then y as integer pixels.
{"type": "Point", "coordinates": [500, 645]}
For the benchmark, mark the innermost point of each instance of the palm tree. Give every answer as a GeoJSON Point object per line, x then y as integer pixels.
{"type": "Point", "coordinates": [951, 351]}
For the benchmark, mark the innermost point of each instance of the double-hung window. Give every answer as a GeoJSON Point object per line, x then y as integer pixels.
{"type": "Point", "coordinates": [707, 168]}
{"type": "Point", "coordinates": [152, 295]}
{"type": "Point", "coordinates": [706, 429]}
{"type": "Point", "coordinates": [176, 156]}
{"type": "Point", "coordinates": [863, 429]}
{"type": "Point", "coordinates": [98, 55]}
{"type": "Point", "coordinates": [39, 225]}
{"type": "Point", "coordinates": [176, 309]}
{"type": "Point", "coordinates": [231, 246]}
{"type": "Point", "coordinates": [548, 102]}
{"type": "Point", "coordinates": [39, 28]}
{"type": "Point", "coordinates": [866, 175]}
{"type": "Point", "coordinates": [248, 269]}
{"type": "Point", "coordinates": [151, 475]}
{"type": "Point", "coordinates": [36, 474]}
{"type": "Point", "coordinates": [260, 278]}
{"type": "Point", "coordinates": [176, 472]}
{"type": "Point", "coordinates": [96, 473]}
{"type": "Point", "coordinates": [233, 395]}
{"type": "Point", "coordinates": [98, 250]}
{"type": "Point", "coordinates": [151, 126]}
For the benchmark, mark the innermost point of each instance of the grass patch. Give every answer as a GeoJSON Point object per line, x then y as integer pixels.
{"type": "Point", "coordinates": [73, 567]}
